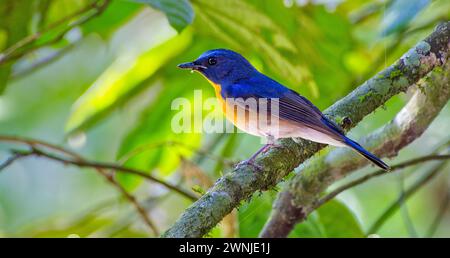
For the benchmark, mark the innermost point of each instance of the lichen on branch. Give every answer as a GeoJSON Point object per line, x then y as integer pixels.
{"type": "Point", "coordinates": [300, 195]}
{"type": "Point", "coordinates": [231, 189]}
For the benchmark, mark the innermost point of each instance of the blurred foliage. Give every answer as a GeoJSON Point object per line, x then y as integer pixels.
{"type": "Point", "coordinates": [178, 12]}
{"type": "Point", "coordinates": [121, 80]}
{"type": "Point", "coordinates": [16, 16]}
{"type": "Point", "coordinates": [399, 13]}
{"type": "Point", "coordinates": [99, 77]}
{"type": "Point", "coordinates": [324, 223]}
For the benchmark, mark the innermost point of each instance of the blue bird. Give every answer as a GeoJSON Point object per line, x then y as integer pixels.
{"type": "Point", "coordinates": [236, 82]}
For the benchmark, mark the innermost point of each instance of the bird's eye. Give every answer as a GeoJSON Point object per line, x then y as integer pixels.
{"type": "Point", "coordinates": [212, 61]}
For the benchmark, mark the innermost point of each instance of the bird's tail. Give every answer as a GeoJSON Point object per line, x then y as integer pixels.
{"type": "Point", "coordinates": [375, 160]}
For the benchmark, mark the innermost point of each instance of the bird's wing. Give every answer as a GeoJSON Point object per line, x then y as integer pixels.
{"type": "Point", "coordinates": [292, 107]}
{"type": "Point", "coordinates": [298, 109]}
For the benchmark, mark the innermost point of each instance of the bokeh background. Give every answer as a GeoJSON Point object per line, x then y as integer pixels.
{"type": "Point", "coordinates": [102, 86]}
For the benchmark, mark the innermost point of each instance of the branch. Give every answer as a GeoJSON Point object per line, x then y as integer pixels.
{"type": "Point", "coordinates": [243, 181]}
{"type": "Point", "coordinates": [41, 62]}
{"type": "Point", "coordinates": [101, 168]}
{"type": "Point", "coordinates": [377, 173]}
{"type": "Point", "coordinates": [150, 146]}
{"type": "Point", "coordinates": [79, 161]}
{"type": "Point", "coordinates": [298, 198]}
{"type": "Point", "coordinates": [9, 161]}
{"type": "Point", "coordinates": [20, 154]}
{"type": "Point", "coordinates": [141, 211]}
{"type": "Point", "coordinates": [120, 169]}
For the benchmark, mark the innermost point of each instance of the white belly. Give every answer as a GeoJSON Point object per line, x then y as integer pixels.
{"type": "Point", "coordinates": [251, 123]}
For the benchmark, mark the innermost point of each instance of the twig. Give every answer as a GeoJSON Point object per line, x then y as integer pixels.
{"type": "Point", "coordinates": [35, 143]}
{"type": "Point", "coordinates": [8, 162]}
{"type": "Point", "coordinates": [102, 165]}
{"type": "Point", "coordinates": [21, 154]}
{"type": "Point", "coordinates": [42, 62]}
{"type": "Point", "coordinates": [81, 162]}
{"type": "Point", "coordinates": [377, 173]}
{"type": "Point", "coordinates": [240, 184]}
{"type": "Point", "coordinates": [101, 170]}
{"type": "Point", "coordinates": [142, 212]}
{"type": "Point", "coordinates": [295, 202]}
{"type": "Point", "coordinates": [12, 52]}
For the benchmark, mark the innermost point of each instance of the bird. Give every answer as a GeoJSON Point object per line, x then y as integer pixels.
{"type": "Point", "coordinates": [236, 81]}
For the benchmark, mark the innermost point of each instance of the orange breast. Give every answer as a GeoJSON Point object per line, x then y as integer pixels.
{"type": "Point", "coordinates": [241, 118]}
{"type": "Point", "coordinates": [228, 111]}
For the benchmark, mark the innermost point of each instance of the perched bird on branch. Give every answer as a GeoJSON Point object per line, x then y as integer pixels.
{"type": "Point", "coordinates": [263, 107]}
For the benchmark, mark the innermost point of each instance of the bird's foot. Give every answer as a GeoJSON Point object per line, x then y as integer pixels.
{"type": "Point", "coordinates": [250, 162]}
{"type": "Point", "coordinates": [271, 145]}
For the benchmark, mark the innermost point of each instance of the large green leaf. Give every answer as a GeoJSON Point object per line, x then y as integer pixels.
{"type": "Point", "coordinates": [245, 27]}
{"type": "Point", "coordinates": [154, 123]}
{"type": "Point", "coordinates": [296, 46]}
{"type": "Point", "coordinates": [339, 221]}
{"type": "Point", "coordinates": [116, 14]}
{"type": "Point", "coordinates": [122, 80]}
{"type": "Point", "coordinates": [254, 214]}
{"type": "Point", "coordinates": [153, 127]}
{"type": "Point", "coordinates": [400, 13]}
{"type": "Point", "coordinates": [310, 228]}
{"type": "Point", "coordinates": [334, 219]}
{"type": "Point", "coordinates": [179, 12]}
{"type": "Point", "coordinates": [14, 22]}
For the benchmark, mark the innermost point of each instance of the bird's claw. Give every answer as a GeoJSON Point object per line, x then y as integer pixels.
{"type": "Point", "coordinates": [271, 145]}
{"type": "Point", "coordinates": [251, 163]}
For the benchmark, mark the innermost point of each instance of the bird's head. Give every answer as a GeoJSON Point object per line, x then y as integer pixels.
{"type": "Point", "coordinates": [221, 66]}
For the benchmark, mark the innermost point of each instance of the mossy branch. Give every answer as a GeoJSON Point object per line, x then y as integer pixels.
{"type": "Point", "coordinates": [231, 189]}
{"type": "Point", "coordinates": [300, 196]}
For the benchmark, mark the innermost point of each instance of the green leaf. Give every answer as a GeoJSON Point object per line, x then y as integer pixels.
{"type": "Point", "coordinates": [334, 219]}
{"type": "Point", "coordinates": [154, 123]}
{"type": "Point", "coordinates": [117, 14]}
{"type": "Point", "coordinates": [154, 126]}
{"type": "Point", "coordinates": [14, 21]}
{"type": "Point", "coordinates": [310, 228]}
{"type": "Point", "coordinates": [126, 77]}
{"type": "Point", "coordinates": [41, 10]}
{"type": "Point", "coordinates": [179, 12]}
{"type": "Point", "coordinates": [243, 26]}
{"type": "Point", "coordinates": [254, 213]}
{"type": "Point", "coordinates": [296, 46]}
{"type": "Point", "coordinates": [338, 220]}
{"type": "Point", "coordinates": [399, 14]}
{"type": "Point", "coordinates": [5, 71]}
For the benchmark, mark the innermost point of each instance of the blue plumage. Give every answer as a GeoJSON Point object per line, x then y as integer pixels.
{"type": "Point", "coordinates": [236, 79]}
{"type": "Point", "coordinates": [354, 145]}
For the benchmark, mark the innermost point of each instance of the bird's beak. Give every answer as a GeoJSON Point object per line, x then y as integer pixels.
{"type": "Point", "coordinates": [191, 66]}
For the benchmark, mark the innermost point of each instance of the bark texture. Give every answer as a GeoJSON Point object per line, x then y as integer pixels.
{"type": "Point", "coordinates": [298, 198]}
{"type": "Point", "coordinates": [238, 185]}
